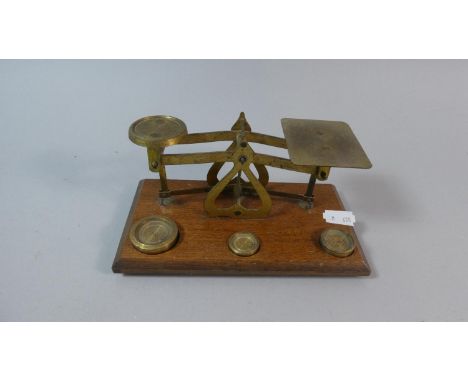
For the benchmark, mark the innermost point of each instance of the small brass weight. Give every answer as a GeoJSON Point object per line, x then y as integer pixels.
{"type": "Point", "coordinates": [314, 147]}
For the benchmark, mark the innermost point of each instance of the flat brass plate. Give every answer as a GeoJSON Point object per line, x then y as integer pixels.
{"type": "Point", "coordinates": [157, 130]}
{"type": "Point", "coordinates": [323, 143]}
{"type": "Point", "coordinates": [337, 242]}
{"type": "Point", "coordinates": [154, 234]}
{"type": "Point", "coordinates": [244, 243]}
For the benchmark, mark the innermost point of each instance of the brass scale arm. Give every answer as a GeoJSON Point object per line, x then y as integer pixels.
{"type": "Point", "coordinates": [241, 155]}
{"type": "Point", "coordinates": [223, 156]}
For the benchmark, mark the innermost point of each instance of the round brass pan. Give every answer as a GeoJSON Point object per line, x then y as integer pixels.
{"type": "Point", "coordinates": [157, 130]}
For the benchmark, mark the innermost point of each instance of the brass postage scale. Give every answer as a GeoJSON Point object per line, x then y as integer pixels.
{"type": "Point", "coordinates": [240, 223]}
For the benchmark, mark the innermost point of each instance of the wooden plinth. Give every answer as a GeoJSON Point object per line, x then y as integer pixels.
{"type": "Point", "coordinates": [289, 237]}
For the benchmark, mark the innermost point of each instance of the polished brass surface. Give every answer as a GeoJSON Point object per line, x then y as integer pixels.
{"type": "Point", "coordinates": [337, 242]}
{"type": "Point", "coordinates": [243, 243]}
{"type": "Point", "coordinates": [197, 158]}
{"type": "Point", "coordinates": [285, 164]}
{"type": "Point", "coordinates": [314, 147]}
{"type": "Point", "coordinates": [218, 136]}
{"type": "Point", "coordinates": [154, 234]}
{"type": "Point", "coordinates": [242, 125]}
{"type": "Point", "coordinates": [323, 143]}
{"type": "Point", "coordinates": [157, 131]}
{"type": "Point", "coordinates": [212, 176]}
{"type": "Point", "coordinates": [241, 155]}
{"type": "Point", "coordinates": [242, 158]}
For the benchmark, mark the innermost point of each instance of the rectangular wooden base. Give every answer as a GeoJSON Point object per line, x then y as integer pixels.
{"type": "Point", "coordinates": [289, 237]}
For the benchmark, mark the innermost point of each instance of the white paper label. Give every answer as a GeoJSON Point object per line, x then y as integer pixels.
{"type": "Point", "coordinates": [339, 217]}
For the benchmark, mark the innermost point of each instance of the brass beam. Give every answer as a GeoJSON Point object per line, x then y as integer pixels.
{"type": "Point", "coordinates": [273, 161]}
{"type": "Point", "coordinates": [196, 158]}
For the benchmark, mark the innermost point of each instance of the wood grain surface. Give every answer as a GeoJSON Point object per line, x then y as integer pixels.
{"type": "Point", "coordinates": [289, 237]}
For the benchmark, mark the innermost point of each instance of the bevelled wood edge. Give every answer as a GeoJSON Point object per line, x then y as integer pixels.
{"type": "Point", "coordinates": [117, 265]}
{"type": "Point", "coordinates": [129, 265]}
{"type": "Point", "coordinates": [367, 269]}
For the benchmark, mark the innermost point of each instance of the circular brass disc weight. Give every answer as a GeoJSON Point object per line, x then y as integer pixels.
{"type": "Point", "coordinates": [337, 242]}
{"type": "Point", "coordinates": [157, 130]}
{"type": "Point", "coordinates": [244, 243]}
{"type": "Point", "coordinates": [154, 234]}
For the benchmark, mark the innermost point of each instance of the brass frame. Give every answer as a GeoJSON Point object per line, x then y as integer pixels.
{"type": "Point", "coordinates": [242, 156]}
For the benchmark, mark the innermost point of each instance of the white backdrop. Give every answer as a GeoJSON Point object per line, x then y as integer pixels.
{"type": "Point", "coordinates": [68, 174]}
